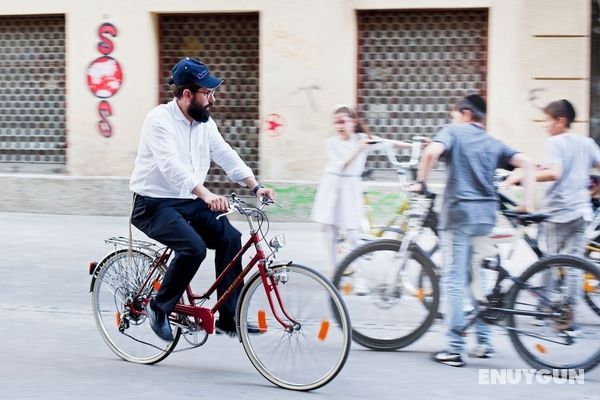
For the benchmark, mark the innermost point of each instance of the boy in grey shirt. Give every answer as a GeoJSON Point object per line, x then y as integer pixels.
{"type": "Point", "coordinates": [468, 210]}
{"type": "Point", "coordinates": [568, 160]}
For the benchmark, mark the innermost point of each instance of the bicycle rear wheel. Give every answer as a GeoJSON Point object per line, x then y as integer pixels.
{"type": "Point", "coordinates": [388, 312]}
{"type": "Point", "coordinates": [311, 354]}
{"type": "Point", "coordinates": [567, 335]}
{"type": "Point", "coordinates": [119, 311]}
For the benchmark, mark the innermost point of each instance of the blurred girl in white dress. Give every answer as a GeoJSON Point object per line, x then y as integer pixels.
{"type": "Point", "coordinates": [339, 200]}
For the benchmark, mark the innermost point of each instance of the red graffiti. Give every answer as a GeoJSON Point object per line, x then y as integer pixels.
{"type": "Point", "coordinates": [104, 77]}
{"type": "Point", "coordinates": [106, 46]}
{"type": "Point", "coordinates": [104, 126]}
{"type": "Point", "coordinates": [273, 122]}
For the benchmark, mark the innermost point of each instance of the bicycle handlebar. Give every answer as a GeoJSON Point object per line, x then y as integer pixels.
{"type": "Point", "coordinates": [414, 156]}
{"type": "Point", "coordinates": [235, 205]}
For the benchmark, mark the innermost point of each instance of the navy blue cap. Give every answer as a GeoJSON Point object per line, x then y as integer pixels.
{"type": "Point", "coordinates": [189, 70]}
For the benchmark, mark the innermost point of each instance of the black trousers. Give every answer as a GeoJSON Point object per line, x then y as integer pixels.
{"type": "Point", "coordinates": [189, 227]}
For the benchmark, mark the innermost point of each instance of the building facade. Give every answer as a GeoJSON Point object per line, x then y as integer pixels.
{"type": "Point", "coordinates": [77, 79]}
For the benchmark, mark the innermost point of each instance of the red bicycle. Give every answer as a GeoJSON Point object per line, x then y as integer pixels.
{"type": "Point", "coordinates": [305, 331]}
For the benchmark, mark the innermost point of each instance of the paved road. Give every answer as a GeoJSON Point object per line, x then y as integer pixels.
{"type": "Point", "coordinates": [50, 348]}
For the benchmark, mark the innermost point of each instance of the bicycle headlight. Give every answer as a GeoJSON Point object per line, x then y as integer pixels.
{"type": "Point", "coordinates": [277, 242]}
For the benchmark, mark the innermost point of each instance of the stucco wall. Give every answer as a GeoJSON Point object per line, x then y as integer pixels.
{"type": "Point", "coordinates": [308, 64]}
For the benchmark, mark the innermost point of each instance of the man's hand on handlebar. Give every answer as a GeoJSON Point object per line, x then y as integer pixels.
{"type": "Point", "coordinates": [265, 192]}
{"type": "Point", "coordinates": [215, 202]}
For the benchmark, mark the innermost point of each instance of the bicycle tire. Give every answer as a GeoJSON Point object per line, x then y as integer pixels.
{"type": "Point", "coordinates": [590, 300]}
{"type": "Point", "coordinates": [543, 347]}
{"type": "Point", "coordinates": [306, 296]}
{"type": "Point", "coordinates": [116, 277]}
{"type": "Point", "coordinates": [430, 303]}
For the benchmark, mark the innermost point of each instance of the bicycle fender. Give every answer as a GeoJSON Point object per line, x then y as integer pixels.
{"type": "Point", "coordinates": [280, 263]}
{"type": "Point", "coordinates": [96, 270]}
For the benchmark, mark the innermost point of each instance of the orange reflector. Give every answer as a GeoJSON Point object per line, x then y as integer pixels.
{"type": "Point", "coordinates": [262, 321]}
{"type": "Point", "coordinates": [541, 348]}
{"type": "Point", "coordinates": [587, 286]}
{"type": "Point", "coordinates": [324, 329]}
{"type": "Point", "coordinates": [347, 288]}
{"type": "Point", "coordinates": [156, 285]}
{"type": "Point", "coordinates": [420, 294]}
{"type": "Point", "coordinates": [118, 319]}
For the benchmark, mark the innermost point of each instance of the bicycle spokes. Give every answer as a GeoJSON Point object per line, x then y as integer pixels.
{"type": "Point", "coordinates": [551, 324]}
{"type": "Point", "coordinates": [389, 295]}
{"type": "Point", "coordinates": [119, 304]}
{"type": "Point", "coordinates": [303, 354]}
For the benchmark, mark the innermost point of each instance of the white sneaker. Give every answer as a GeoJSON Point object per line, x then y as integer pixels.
{"type": "Point", "coordinates": [483, 351]}
{"type": "Point", "coordinates": [451, 359]}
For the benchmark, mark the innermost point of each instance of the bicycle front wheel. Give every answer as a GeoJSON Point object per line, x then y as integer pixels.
{"type": "Point", "coordinates": [591, 286]}
{"type": "Point", "coordinates": [549, 323]}
{"type": "Point", "coordinates": [314, 349]}
{"type": "Point", "coordinates": [119, 308]}
{"type": "Point", "coordinates": [391, 306]}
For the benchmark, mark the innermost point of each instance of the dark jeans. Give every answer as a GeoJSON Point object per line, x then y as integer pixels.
{"type": "Point", "coordinates": [189, 227]}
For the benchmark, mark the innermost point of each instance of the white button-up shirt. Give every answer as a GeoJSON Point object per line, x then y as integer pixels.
{"type": "Point", "coordinates": [174, 155]}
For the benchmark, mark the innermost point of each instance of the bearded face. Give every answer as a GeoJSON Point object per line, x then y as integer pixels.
{"type": "Point", "coordinates": [198, 112]}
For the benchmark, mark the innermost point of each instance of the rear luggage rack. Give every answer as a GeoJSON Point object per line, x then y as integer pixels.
{"type": "Point", "coordinates": [136, 244]}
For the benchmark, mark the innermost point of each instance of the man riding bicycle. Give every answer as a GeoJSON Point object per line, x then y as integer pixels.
{"type": "Point", "coordinates": [171, 204]}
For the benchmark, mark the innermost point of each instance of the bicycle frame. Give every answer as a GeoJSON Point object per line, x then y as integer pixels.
{"type": "Point", "coordinates": [416, 209]}
{"type": "Point", "coordinates": [505, 202]}
{"type": "Point", "coordinates": [205, 316]}
{"type": "Point", "coordinates": [497, 296]}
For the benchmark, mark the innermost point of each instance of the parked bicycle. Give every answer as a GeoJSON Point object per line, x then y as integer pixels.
{"type": "Point", "coordinates": [305, 331]}
{"type": "Point", "coordinates": [387, 282]}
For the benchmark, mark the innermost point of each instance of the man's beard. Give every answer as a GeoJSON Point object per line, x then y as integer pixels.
{"type": "Point", "coordinates": [198, 112]}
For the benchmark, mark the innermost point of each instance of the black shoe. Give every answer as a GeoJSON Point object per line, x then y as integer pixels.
{"type": "Point", "coordinates": [159, 322]}
{"type": "Point", "coordinates": [227, 327]}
